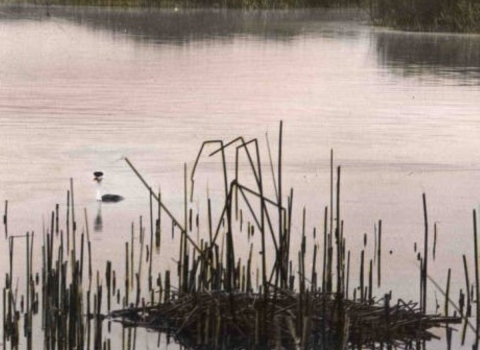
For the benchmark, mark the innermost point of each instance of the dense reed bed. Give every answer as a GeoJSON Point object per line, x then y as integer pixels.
{"type": "Point", "coordinates": [428, 15]}
{"type": "Point", "coordinates": [246, 277]}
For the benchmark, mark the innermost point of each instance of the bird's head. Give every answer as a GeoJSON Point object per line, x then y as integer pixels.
{"type": "Point", "coordinates": [98, 176]}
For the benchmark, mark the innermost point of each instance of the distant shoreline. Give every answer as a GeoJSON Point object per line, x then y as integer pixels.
{"type": "Point", "coordinates": [187, 4]}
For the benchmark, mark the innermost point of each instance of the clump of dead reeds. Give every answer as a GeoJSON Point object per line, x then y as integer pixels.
{"type": "Point", "coordinates": [291, 320]}
{"type": "Point", "coordinates": [218, 305]}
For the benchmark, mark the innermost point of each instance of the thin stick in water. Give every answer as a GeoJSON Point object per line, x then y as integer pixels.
{"type": "Point", "coordinates": [477, 279]}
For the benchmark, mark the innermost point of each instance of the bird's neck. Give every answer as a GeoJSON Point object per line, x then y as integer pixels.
{"type": "Point", "coordinates": [99, 190]}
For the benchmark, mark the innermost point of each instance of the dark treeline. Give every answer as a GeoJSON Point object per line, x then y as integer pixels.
{"type": "Point", "coordinates": [261, 4]}
{"type": "Point", "coordinates": [428, 15]}
{"type": "Point", "coordinates": [412, 15]}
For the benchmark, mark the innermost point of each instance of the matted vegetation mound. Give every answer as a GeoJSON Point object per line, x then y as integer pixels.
{"type": "Point", "coordinates": [284, 319]}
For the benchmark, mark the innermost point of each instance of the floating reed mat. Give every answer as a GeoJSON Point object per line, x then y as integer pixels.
{"type": "Point", "coordinates": [284, 320]}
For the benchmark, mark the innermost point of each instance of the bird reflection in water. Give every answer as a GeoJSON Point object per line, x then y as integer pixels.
{"type": "Point", "coordinates": [98, 223]}
{"type": "Point", "coordinates": [102, 198]}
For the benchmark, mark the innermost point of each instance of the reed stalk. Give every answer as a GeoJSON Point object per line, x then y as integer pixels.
{"type": "Point", "coordinates": [127, 275]}
{"type": "Point", "coordinates": [348, 275]}
{"type": "Point", "coordinates": [74, 224]}
{"type": "Point", "coordinates": [331, 233]}
{"type": "Point", "coordinates": [90, 271]}
{"type": "Point", "coordinates": [379, 255]}
{"type": "Point", "coordinates": [362, 271]}
{"type": "Point", "coordinates": [150, 256]}
{"type": "Point", "coordinates": [5, 219]}
{"type": "Point", "coordinates": [447, 293]}
{"type": "Point", "coordinates": [467, 285]}
{"type": "Point", "coordinates": [67, 221]}
{"type": "Point", "coordinates": [370, 282]}
{"type": "Point", "coordinates": [338, 237]}
{"type": "Point", "coordinates": [477, 279]}
{"type": "Point", "coordinates": [425, 254]}
{"type": "Point", "coordinates": [163, 207]}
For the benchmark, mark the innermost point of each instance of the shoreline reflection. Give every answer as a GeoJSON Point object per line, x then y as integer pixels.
{"type": "Point", "coordinates": [441, 55]}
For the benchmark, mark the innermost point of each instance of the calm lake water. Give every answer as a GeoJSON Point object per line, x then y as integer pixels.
{"type": "Point", "coordinates": [80, 89]}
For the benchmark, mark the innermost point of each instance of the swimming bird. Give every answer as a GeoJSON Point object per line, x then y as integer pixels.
{"type": "Point", "coordinates": [108, 198]}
